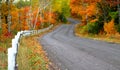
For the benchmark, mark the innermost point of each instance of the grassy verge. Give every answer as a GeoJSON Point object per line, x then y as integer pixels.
{"type": "Point", "coordinates": [3, 61]}
{"type": "Point", "coordinates": [31, 55]}
{"type": "Point", "coordinates": [79, 32]}
{"type": "Point", "coordinates": [3, 53]}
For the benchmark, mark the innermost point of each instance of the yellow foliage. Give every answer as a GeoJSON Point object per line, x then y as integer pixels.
{"type": "Point", "coordinates": [109, 27]}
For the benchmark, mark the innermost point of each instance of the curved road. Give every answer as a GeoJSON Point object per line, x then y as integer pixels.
{"type": "Point", "coordinates": [69, 52]}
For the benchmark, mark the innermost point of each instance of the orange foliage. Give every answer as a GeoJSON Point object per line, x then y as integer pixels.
{"type": "Point", "coordinates": [2, 49]}
{"type": "Point", "coordinates": [4, 28]}
{"type": "Point", "coordinates": [91, 10]}
{"type": "Point", "coordinates": [5, 34]}
{"type": "Point", "coordinates": [26, 9]}
{"type": "Point", "coordinates": [109, 27]}
{"type": "Point", "coordinates": [83, 8]}
{"type": "Point", "coordinates": [23, 17]}
{"type": "Point", "coordinates": [75, 6]}
{"type": "Point", "coordinates": [14, 19]}
{"type": "Point", "coordinates": [49, 17]}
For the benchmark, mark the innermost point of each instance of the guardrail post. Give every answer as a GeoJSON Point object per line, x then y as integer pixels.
{"type": "Point", "coordinates": [11, 59]}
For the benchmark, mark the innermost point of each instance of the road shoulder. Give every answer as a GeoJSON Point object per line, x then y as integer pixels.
{"type": "Point", "coordinates": [109, 39]}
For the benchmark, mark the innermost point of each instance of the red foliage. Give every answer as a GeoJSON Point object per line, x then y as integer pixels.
{"type": "Point", "coordinates": [8, 34]}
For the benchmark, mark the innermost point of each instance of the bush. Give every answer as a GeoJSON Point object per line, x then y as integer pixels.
{"type": "Point", "coordinates": [109, 27]}
{"type": "Point", "coordinates": [94, 28]}
{"type": "Point", "coordinates": [62, 18]}
{"type": "Point", "coordinates": [45, 25]}
{"type": "Point", "coordinates": [14, 32]}
{"type": "Point", "coordinates": [118, 28]}
{"type": "Point", "coordinates": [84, 30]}
{"type": "Point", "coordinates": [116, 20]}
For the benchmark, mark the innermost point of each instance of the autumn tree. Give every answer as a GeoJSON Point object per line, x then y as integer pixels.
{"type": "Point", "coordinates": [62, 9]}
{"type": "Point", "coordinates": [84, 9]}
{"type": "Point", "coordinates": [5, 12]}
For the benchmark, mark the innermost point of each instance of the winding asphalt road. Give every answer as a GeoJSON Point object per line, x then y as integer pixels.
{"type": "Point", "coordinates": [69, 52]}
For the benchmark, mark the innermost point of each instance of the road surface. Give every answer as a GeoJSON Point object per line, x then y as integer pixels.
{"type": "Point", "coordinates": [69, 52]}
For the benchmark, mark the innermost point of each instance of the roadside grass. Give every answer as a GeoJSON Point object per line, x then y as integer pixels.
{"type": "Point", "coordinates": [3, 53]}
{"type": "Point", "coordinates": [112, 39]}
{"type": "Point", "coordinates": [31, 55]}
{"type": "Point", "coordinates": [3, 61]}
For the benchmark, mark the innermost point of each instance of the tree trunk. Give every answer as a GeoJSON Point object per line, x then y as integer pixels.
{"type": "Point", "coordinates": [9, 22]}
{"type": "Point", "coordinates": [19, 21]}
{"type": "Point", "coordinates": [9, 16]}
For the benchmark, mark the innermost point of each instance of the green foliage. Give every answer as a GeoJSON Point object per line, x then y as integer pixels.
{"type": "Point", "coordinates": [113, 14]}
{"type": "Point", "coordinates": [35, 4]}
{"type": "Point", "coordinates": [22, 3]}
{"type": "Point", "coordinates": [66, 8]}
{"type": "Point", "coordinates": [0, 1]}
{"type": "Point", "coordinates": [118, 28]}
{"type": "Point", "coordinates": [93, 28]}
{"type": "Point", "coordinates": [116, 20]}
{"type": "Point", "coordinates": [61, 6]}
{"type": "Point", "coordinates": [62, 18]}
{"type": "Point", "coordinates": [84, 30]}
{"type": "Point", "coordinates": [14, 32]}
{"type": "Point", "coordinates": [45, 25]}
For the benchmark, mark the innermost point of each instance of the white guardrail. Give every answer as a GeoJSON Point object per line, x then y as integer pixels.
{"type": "Point", "coordinates": [12, 52]}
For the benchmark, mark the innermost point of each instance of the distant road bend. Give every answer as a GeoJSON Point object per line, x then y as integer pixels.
{"type": "Point", "coordinates": [69, 52]}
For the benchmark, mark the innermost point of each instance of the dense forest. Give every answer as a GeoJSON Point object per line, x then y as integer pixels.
{"type": "Point", "coordinates": [97, 16]}
{"type": "Point", "coordinates": [33, 14]}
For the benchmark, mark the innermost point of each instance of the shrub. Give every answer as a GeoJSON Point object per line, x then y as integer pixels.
{"type": "Point", "coordinates": [109, 27]}
{"type": "Point", "coordinates": [84, 30]}
{"type": "Point", "coordinates": [118, 28]}
{"type": "Point", "coordinates": [94, 28]}
{"type": "Point", "coordinates": [45, 25]}
{"type": "Point", "coordinates": [14, 32]}
{"type": "Point", "coordinates": [62, 18]}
